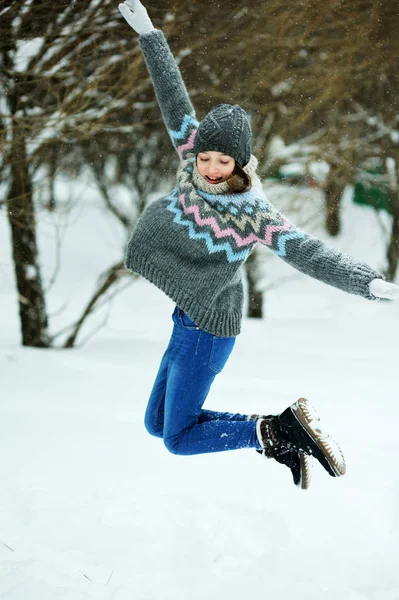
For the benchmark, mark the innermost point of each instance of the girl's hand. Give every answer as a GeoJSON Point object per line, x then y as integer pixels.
{"type": "Point", "coordinates": [384, 289]}
{"type": "Point", "coordinates": [136, 15]}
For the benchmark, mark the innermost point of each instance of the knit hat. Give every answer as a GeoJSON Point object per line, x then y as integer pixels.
{"type": "Point", "coordinates": [226, 129]}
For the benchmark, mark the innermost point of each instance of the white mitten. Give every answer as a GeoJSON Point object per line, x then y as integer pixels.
{"type": "Point", "coordinates": [384, 289]}
{"type": "Point", "coordinates": [137, 16]}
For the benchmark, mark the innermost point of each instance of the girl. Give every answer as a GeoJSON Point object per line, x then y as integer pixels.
{"type": "Point", "coordinates": [191, 245]}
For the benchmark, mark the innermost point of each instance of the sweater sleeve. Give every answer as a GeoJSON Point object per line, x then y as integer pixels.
{"type": "Point", "coordinates": [312, 256]}
{"type": "Point", "coordinates": [177, 111]}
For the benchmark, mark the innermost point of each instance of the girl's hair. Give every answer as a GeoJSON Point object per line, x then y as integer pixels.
{"type": "Point", "coordinates": [239, 180]}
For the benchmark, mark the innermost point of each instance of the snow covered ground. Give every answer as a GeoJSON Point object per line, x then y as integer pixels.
{"type": "Point", "coordinates": [92, 507]}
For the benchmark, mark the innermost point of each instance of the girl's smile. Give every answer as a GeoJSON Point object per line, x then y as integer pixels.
{"type": "Point", "coordinates": [215, 167]}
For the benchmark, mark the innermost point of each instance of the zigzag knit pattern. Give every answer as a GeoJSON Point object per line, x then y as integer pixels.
{"type": "Point", "coordinates": [197, 228]}
{"type": "Point", "coordinates": [231, 223]}
{"type": "Point", "coordinates": [190, 124]}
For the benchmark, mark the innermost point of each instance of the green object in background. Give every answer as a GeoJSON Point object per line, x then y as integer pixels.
{"type": "Point", "coordinates": [371, 196]}
{"type": "Point", "coordinates": [362, 194]}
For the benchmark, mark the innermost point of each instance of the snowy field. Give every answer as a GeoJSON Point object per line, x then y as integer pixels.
{"type": "Point", "coordinates": [92, 507]}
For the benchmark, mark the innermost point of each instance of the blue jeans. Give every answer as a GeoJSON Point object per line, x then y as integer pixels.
{"type": "Point", "coordinates": [190, 364]}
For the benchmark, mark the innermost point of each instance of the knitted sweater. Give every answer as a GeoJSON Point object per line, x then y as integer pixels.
{"type": "Point", "coordinates": [192, 243]}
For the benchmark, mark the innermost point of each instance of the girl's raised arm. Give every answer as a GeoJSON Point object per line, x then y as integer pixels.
{"type": "Point", "coordinates": [177, 111]}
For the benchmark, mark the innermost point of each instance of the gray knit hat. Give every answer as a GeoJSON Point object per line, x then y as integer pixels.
{"type": "Point", "coordinates": [226, 129]}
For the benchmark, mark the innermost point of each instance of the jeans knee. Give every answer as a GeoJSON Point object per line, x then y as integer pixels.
{"type": "Point", "coordinates": [171, 444]}
{"type": "Point", "coordinates": [153, 428]}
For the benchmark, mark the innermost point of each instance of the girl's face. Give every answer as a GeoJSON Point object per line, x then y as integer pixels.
{"type": "Point", "coordinates": [215, 167]}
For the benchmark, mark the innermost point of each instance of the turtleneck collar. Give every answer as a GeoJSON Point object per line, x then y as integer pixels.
{"type": "Point", "coordinates": [223, 188]}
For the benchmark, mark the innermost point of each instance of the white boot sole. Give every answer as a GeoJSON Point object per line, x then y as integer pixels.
{"type": "Point", "coordinates": [310, 421]}
{"type": "Point", "coordinates": [306, 470]}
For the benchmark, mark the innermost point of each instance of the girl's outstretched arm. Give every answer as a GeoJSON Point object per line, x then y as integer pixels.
{"type": "Point", "coordinates": [177, 111]}
{"type": "Point", "coordinates": [312, 256]}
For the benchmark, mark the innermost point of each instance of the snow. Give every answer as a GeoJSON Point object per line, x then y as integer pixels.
{"type": "Point", "coordinates": [281, 87]}
{"type": "Point", "coordinates": [26, 50]}
{"type": "Point", "coordinates": [30, 272]}
{"type": "Point", "coordinates": [92, 507]}
{"type": "Point", "coordinates": [279, 151]}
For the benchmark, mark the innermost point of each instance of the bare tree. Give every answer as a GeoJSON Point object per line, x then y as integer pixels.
{"type": "Point", "coordinates": [60, 87]}
{"type": "Point", "coordinates": [20, 209]}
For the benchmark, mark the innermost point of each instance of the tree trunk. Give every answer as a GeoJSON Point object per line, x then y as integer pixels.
{"type": "Point", "coordinates": [52, 167]}
{"type": "Point", "coordinates": [21, 217]}
{"type": "Point", "coordinates": [393, 248]}
{"type": "Point", "coordinates": [255, 296]}
{"type": "Point", "coordinates": [334, 189]}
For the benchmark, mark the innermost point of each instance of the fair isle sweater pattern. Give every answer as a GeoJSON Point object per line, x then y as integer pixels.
{"type": "Point", "coordinates": [191, 244]}
{"type": "Point", "coordinates": [196, 229]}
{"type": "Point", "coordinates": [189, 126]}
{"type": "Point", "coordinates": [230, 223]}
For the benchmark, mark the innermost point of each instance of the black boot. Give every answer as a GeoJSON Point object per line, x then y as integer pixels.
{"type": "Point", "coordinates": [302, 425]}
{"type": "Point", "coordinates": [298, 462]}
{"type": "Point", "coordinates": [298, 429]}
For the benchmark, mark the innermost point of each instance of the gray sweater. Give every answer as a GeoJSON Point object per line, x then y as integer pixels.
{"type": "Point", "coordinates": [191, 243]}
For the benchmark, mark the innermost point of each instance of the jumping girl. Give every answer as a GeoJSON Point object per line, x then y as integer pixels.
{"type": "Point", "coordinates": [191, 245]}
